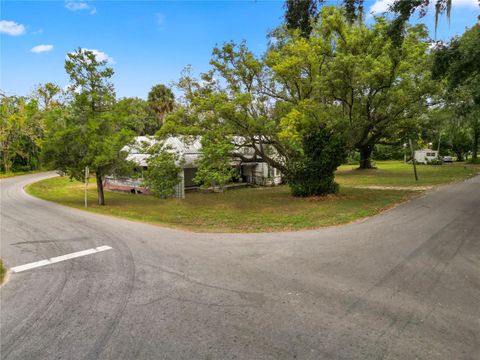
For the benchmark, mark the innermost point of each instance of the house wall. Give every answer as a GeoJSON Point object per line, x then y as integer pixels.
{"type": "Point", "coordinates": [263, 174]}
{"type": "Point", "coordinates": [113, 183]}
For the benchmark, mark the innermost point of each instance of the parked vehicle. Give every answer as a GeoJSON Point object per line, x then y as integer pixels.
{"type": "Point", "coordinates": [448, 159]}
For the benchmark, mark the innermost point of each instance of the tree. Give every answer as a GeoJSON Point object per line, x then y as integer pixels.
{"type": "Point", "coordinates": [21, 129]}
{"type": "Point", "coordinates": [214, 168]}
{"type": "Point", "coordinates": [161, 100]}
{"type": "Point", "coordinates": [46, 95]}
{"type": "Point", "coordinates": [91, 136]}
{"type": "Point", "coordinates": [457, 64]}
{"type": "Point", "coordinates": [299, 14]}
{"type": "Point", "coordinates": [268, 108]}
{"type": "Point", "coordinates": [162, 174]}
{"type": "Point", "coordinates": [136, 114]}
{"type": "Point", "coordinates": [382, 87]}
{"type": "Point", "coordinates": [405, 8]}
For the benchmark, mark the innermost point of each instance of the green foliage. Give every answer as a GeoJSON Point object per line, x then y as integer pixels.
{"type": "Point", "coordinates": [214, 168]}
{"type": "Point", "coordinates": [162, 174]}
{"type": "Point", "coordinates": [3, 271]}
{"type": "Point", "coordinates": [269, 105]}
{"type": "Point", "coordinates": [87, 133]}
{"type": "Point", "coordinates": [299, 14]}
{"type": "Point", "coordinates": [381, 87]}
{"type": "Point", "coordinates": [47, 95]}
{"type": "Point", "coordinates": [21, 130]}
{"type": "Point", "coordinates": [456, 63]}
{"type": "Point", "coordinates": [313, 174]}
{"type": "Point", "coordinates": [136, 115]}
{"type": "Point", "coordinates": [405, 8]}
{"type": "Point", "coordinates": [388, 152]}
{"type": "Point", "coordinates": [161, 101]}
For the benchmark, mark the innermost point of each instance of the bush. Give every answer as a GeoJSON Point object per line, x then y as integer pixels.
{"type": "Point", "coordinates": [388, 152]}
{"type": "Point", "coordinates": [314, 173]}
{"type": "Point", "coordinates": [435, 162]}
{"type": "Point", "coordinates": [162, 174]}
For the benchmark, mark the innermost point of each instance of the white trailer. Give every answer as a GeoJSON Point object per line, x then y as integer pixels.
{"type": "Point", "coordinates": [425, 156]}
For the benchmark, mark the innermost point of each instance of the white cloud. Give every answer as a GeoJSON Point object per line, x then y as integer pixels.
{"type": "Point", "coordinates": [41, 49]}
{"type": "Point", "coordinates": [80, 5]}
{"type": "Point", "coordinates": [380, 6]}
{"type": "Point", "coordinates": [38, 32]}
{"type": "Point", "coordinates": [11, 28]}
{"type": "Point", "coordinates": [101, 56]}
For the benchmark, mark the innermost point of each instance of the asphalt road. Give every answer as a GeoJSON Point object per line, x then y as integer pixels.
{"type": "Point", "coordinates": [401, 285]}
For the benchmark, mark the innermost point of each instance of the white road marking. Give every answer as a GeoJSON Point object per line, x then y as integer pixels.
{"type": "Point", "coordinates": [56, 259]}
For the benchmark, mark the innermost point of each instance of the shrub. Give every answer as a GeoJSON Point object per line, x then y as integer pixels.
{"type": "Point", "coordinates": [162, 174]}
{"type": "Point", "coordinates": [314, 172]}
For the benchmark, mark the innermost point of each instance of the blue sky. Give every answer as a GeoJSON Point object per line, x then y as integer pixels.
{"type": "Point", "coordinates": [147, 42]}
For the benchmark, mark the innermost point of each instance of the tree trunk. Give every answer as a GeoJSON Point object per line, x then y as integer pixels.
{"type": "Point", "coordinates": [366, 157]}
{"type": "Point", "coordinates": [459, 156]}
{"type": "Point", "coordinates": [6, 161]}
{"type": "Point", "coordinates": [101, 196]}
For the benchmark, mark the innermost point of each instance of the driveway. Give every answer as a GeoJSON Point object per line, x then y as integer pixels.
{"type": "Point", "coordinates": [401, 285]}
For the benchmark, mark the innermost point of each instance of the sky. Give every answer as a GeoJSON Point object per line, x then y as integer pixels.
{"type": "Point", "coordinates": [148, 42]}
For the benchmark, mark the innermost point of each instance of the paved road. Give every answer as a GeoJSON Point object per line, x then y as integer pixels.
{"type": "Point", "coordinates": [401, 285]}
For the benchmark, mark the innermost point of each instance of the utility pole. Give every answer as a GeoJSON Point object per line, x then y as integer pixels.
{"type": "Point", "coordinates": [413, 159]}
{"type": "Point", "coordinates": [87, 174]}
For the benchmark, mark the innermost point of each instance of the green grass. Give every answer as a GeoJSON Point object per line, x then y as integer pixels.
{"type": "Point", "coordinates": [4, 175]}
{"type": "Point", "coordinates": [396, 173]}
{"type": "Point", "coordinates": [241, 210]}
{"type": "Point", "coordinates": [3, 271]}
{"type": "Point", "coordinates": [262, 208]}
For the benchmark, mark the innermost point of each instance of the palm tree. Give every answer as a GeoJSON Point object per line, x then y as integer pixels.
{"type": "Point", "coordinates": [161, 101]}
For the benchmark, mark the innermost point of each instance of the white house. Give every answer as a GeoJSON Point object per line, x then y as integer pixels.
{"type": "Point", "coordinates": [425, 156]}
{"type": "Point", "coordinates": [255, 171]}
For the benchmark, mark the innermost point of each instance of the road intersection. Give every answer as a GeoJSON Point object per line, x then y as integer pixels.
{"type": "Point", "coordinates": [404, 284]}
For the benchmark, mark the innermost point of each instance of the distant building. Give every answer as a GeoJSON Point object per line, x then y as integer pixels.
{"type": "Point", "coordinates": [425, 156]}
{"type": "Point", "coordinates": [253, 171]}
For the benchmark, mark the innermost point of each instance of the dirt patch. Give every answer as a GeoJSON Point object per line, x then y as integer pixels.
{"type": "Point", "coordinates": [378, 187]}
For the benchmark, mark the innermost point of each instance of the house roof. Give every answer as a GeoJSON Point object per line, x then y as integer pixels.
{"type": "Point", "coordinates": [188, 149]}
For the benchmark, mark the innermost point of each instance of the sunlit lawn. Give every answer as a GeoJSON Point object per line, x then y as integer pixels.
{"type": "Point", "coordinates": [261, 208]}
{"type": "Point", "coordinates": [4, 175]}
{"type": "Point", "coordinates": [396, 173]}
{"type": "Point", "coordinates": [3, 271]}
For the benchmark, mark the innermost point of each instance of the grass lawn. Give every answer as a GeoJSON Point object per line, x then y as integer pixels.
{"type": "Point", "coordinates": [3, 272]}
{"type": "Point", "coordinates": [396, 173]}
{"type": "Point", "coordinates": [4, 175]}
{"type": "Point", "coordinates": [262, 208]}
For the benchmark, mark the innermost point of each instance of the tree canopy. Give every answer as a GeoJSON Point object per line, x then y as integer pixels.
{"type": "Point", "coordinates": [90, 135]}
{"type": "Point", "coordinates": [161, 100]}
{"type": "Point", "coordinates": [305, 100]}
{"type": "Point", "coordinates": [457, 63]}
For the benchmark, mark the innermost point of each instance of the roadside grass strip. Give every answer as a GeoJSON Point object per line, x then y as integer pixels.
{"type": "Point", "coordinates": [57, 259]}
